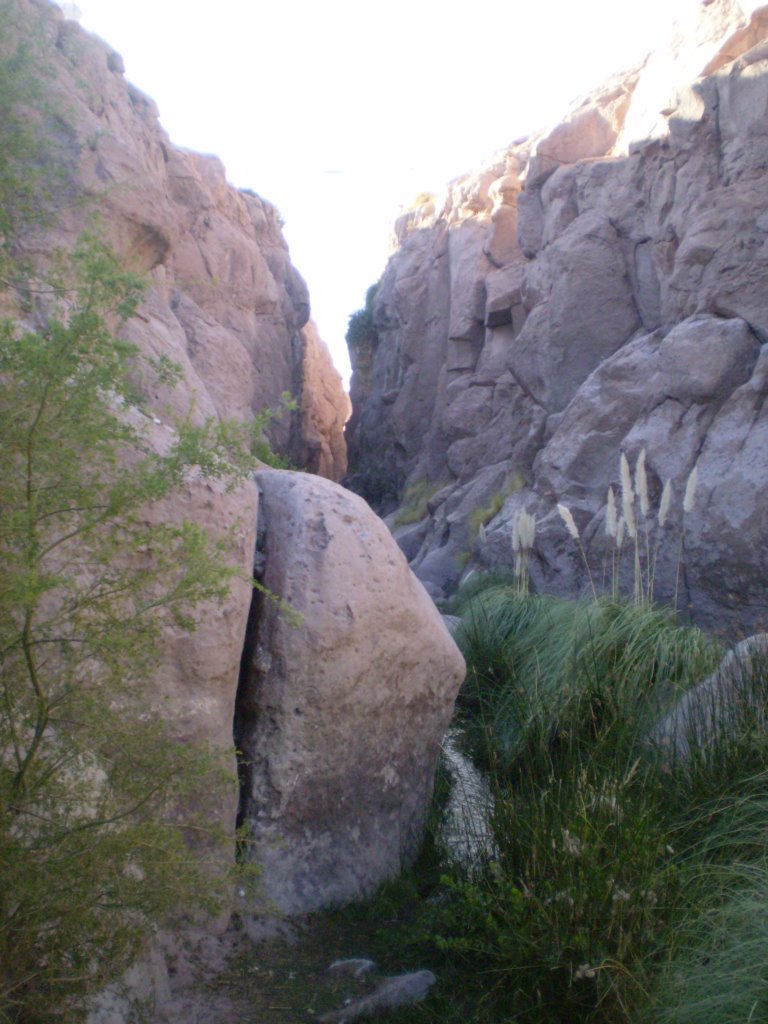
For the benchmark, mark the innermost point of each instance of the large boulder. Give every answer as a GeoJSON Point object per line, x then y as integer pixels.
{"type": "Point", "coordinates": [343, 700]}
{"type": "Point", "coordinates": [735, 692]}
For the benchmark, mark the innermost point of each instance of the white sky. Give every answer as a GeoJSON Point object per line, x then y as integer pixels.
{"type": "Point", "coordinates": [339, 111]}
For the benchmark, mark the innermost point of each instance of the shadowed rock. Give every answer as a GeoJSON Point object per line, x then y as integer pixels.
{"type": "Point", "coordinates": [630, 312]}
{"type": "Point", "coordinates": [404, 990]}
{"type": "Point", "coordinates": [713, 706]}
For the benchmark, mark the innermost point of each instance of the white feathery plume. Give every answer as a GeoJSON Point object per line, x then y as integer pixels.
{"type": "Point", "coordinates": [666, 500]}
{"type": "Point", "coordinates": [565, 515]}
{"type": "Point", "coordinates": [629, 522]}
{"type": "Point", "coordinates": [627, 496]}
{"type": "Point", "coordinates": [641, 483]}
{"type": "Point", "coordinates": [620, 532]}
{"type": "Point", "coordinates": [610, 514]}
{"type": "Point", "coordinates": [626, 479]}
{"type": "Point", "coordinates": [690, 489]}
{"type": "Point", "coordinates": [523, 531]}
{"type": "Point", "coordinates": [526, 530]}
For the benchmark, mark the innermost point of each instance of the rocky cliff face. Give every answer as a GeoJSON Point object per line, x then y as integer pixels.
{"type": "Point", "coordinates": [596, 290]}
{"type": "Point", "coordinates": [223, 299]}
{"type": "Point", "coordinates": [359, 684]}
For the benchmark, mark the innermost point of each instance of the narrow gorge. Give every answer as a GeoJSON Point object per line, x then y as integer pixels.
{"type": "Point", "coordinates": [336, 673]}
{"type": "Point", "coordinates": [592, 293]}
{"type": "Point", "coordinates": [594, 290]}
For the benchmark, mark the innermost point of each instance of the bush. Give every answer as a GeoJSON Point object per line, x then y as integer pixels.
{"type": "Point", "coordinates": [361, 332]}
{"type": "Point", "coordinates": [616, 873]}
{"type": "Point", "coordinates": [91, 855]}
{"type": "Point", "coordinates": [415, 502]}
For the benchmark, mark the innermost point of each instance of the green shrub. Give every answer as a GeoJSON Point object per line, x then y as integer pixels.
{"type": "Point", "coordinates": [483, 514]}
{"type": "Point", "coordinates": [718, 973]}
{"type": "Point", "coordinates": [98, 809]}
{"type": "Point", "coordinates": [361, 332]}
{"type": "Point", "coordinates": [543, 666]}
{"type": "Point", "coordinates": [414, 505]}
{"type": "Point", "coordinates": [92, 850]}
{"type": "Point", "coordinates": [610, 865]}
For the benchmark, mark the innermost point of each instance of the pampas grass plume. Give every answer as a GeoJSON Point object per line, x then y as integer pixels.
{"type": "Point", "coordinates": [620, 532]}
{"type": "Point", "coordinates": [565, 515]}
{"type": "Point", "coordinates": [641, 483]}
{"type": "Point", "coordinates": [626, 479]}
{"type": "Point", "coordinates": [526, 530]}
{"type": "Point", "coordinates": [610, 514]}
{"type": "Point", "coordinates": [666, 500]}
{"type": "Point", "coordinates": [690, 490]}
{"type": "Point", "coordinates": [627, 496]}
{"type": "Point", "coordinates": [523, 531]}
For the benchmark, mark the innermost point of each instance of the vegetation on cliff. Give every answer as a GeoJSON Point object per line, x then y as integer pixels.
{"type": "Point", "coordinates": [361, 332]}
{"type": "Point", "coordinates": [98, 810]}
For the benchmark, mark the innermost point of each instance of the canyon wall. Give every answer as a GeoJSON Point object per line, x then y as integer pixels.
{"type": "Point", "coordinates": [345, 670]}
{"type": "Point", "coordinates": [223, 299]}
{"type": "Point", "coordinates": [601, 288]}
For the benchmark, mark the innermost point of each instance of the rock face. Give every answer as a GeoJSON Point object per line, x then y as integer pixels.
{"type": "Point", "coordinates": [598, 289]}
{"type": "Point", "coordinates": [323, 415]}
{"type": "Point", "coordinates": [731, 697]}
{"type": "Point", "coordinates": [223, 299]}
{"type": "Point", "coordinates": [340, 715]}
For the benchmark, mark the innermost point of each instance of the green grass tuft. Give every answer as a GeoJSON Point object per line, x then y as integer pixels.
{"type": "Point", "coordinates": [415, 502]}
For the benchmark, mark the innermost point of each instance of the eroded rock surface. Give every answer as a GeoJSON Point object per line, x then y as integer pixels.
{"type": "Point", "coordinates": [223, 299]}
{"type": "Point", "coordinates": [599, 289]}
{"type": "Point", "coordinates": [733, 696]}
{"type": "Point", "coordinates": [340, 715]}
{"type": "Point", "coordinates": [224, 303]}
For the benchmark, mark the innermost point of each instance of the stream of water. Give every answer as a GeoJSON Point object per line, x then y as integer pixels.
{"type": "Point", "coordinates": [466, 828]}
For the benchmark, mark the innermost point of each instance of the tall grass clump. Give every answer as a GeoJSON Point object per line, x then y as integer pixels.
{"type": "Point", "coordinates": [541, 666]}
{"type": "Point", "coordinates": [719, 973]}
{"type": "Point", "coordinates": [635, 529]}
{"type": "Point", "coordinates": [624, 874]}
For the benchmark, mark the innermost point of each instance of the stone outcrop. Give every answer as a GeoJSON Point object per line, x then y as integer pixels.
{"type": "Point", "coordinates": [390, 994]}
{"type": "Point", "coordinates": [732, 698]}
{"type": "Point", "coordinates": [323, 415]}
{"type": "Point", "coordinates": [597, 289]}
{"type": "Point", "coordinates": [341, 713]}
{"type": "Point", "coordinates": [224, 303]}
{"type": "Point", "coordinates": [223, 299]}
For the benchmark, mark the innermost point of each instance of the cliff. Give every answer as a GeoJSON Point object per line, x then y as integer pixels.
{"type": "Point", "coordinates": [598, 289]}
{"type": "Point", "coordinates": [223, 298]}
{"type": "Point", "coordinates": [292, 668]}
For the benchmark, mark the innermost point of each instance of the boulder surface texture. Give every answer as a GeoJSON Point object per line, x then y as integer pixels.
{"type": "Point", "coordinates": [340, 714]}
{"type": "Point", "coordinates": [599, 289]}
